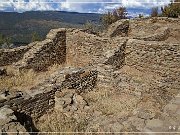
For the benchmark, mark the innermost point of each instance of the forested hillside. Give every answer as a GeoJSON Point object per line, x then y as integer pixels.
{"type": "Point", "coordinates": [21, 26]}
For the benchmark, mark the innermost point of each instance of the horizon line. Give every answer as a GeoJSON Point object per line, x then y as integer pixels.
{"type": "Point", "coordinates": [86, 2]}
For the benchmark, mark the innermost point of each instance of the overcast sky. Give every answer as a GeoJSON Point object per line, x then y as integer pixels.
{"type": "Point", "coordinates": [134, 7]}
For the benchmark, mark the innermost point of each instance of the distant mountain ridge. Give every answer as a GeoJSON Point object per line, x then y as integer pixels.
{"type": "Point", "coordinates": [20, 26]}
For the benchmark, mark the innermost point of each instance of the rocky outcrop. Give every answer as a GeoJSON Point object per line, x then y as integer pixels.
{"type": "Point", "coordinates": [9, 123]}
{"type": "Point", "coordinates": [45, 53]}
{"type": "Point", "coordinates": [69, 101]}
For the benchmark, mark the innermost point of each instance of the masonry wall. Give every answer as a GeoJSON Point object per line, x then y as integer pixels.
{"type": "Point", "coordinates": [155, 29]}
{"type": "Point", "coordinates": [85, 49]}
{"type": "Point", "coordinates": [9, 56]}
{"type": "Point", "coordinates": [38, 100]}
{"type": "Point", "coordinates": [45, 53]}
{"type": "Point", "coordinates": [159, 57]}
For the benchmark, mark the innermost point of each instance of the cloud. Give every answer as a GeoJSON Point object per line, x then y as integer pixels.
{"type": "Point", "coordinates": [25, 5]}
{"type": "Point", "coordinates": [88, 6]}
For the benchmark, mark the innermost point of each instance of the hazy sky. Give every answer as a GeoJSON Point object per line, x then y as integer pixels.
{"type": "Point", "coordinates": [86, 6]}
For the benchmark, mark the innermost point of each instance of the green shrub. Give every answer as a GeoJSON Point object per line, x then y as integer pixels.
{"type": "Point", "coordinates": [111, 17]}
{"type": "Point", "coordinates": [172, 9]}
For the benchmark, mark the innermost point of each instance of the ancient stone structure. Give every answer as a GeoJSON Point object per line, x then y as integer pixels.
{"type": "Point", "coordinates": [116, 57]}
{"type": "Point", "coordinates": [160, 35]}
{"type": "Point", "coordinates": [9, 56]}
{"type": "Point", "coordinates": [85, 49]}
{"type": "Point", "coordinates": [159, 56]}
{"type": "Point", "coordinates": [45, 53]}
{"type": "Point", "coordinates": [136, 76]}
{"type": "Point", "coordinates": [37, 101]}
{"type": "Point", "coordinates": [155, 29]}
{"type": "Point", "coordinates": [119, 28]}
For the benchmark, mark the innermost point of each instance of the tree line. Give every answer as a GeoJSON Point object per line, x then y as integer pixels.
{"type": "Point", "coordinates": [6, 42]}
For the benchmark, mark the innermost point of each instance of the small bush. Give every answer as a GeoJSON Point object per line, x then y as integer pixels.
{"type": "Point", "coordinates": [171, 10]}
{"type": "Point", "coordinates": [154, 12]}
{"type": "Point", "coordinates": [111, 17]}
{"type": "Point", "coordinates": [141, 16]}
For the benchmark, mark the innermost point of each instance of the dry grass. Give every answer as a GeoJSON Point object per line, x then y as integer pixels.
{"type": "Point", "coordinates": [98, 94]}
{"type": "Point", "coordinates": [111, 102]}
{"type": "Point", "coordinates": [120, 105]}
{"type": "Point", "coordinates": [140, 74]}
{"type": "Point", "coordinates": [57, 122]}
{"type": "Point", "coordinates": [25, 80]}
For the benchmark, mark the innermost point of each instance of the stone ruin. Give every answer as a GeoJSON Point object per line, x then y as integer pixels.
{"type": "Point", "coordinates": [93, 61]}
{"type": "Point", "coordinates": [31, 104]}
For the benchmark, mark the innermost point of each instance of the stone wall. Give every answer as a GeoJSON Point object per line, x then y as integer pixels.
{"type": "Point", "coordinates": [9, 56]}
{"type": "Point", "coordinates": [116, 57]}
{"type": "Point", "coordinates": [85, 49]}
{"type": "Point", "coordinates": [157, 56]}
{"type": "Point", "coordinates": [155, 29]}
{"type": "Point", "coordinates": [148, 29]}
{"type": "Point", "coordinates": [161, 34]}
{"type": "Point", "coordinates": [119, 28]}
{"type": "Point", "coordinates": [45, 53]}
{"type": "Point", "coordinates": [38, 100]}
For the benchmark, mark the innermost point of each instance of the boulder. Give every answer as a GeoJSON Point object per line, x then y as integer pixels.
{"type": "Point", "coordinates": [6, 115]}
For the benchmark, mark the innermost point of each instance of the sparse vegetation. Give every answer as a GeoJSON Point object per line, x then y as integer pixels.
{"type": "Point", "coordinates": [1, 39]}
{"type": "Point", "coordinates": [172, 9]}
{"type": "Point", "coordinates": [154, 12]}
{"type": "Point", "coordinates": [111, 17]}
{"type": "Point", "coordinates": [57, 121]}
{"type": "Point", "coordinates": [91, 27]}
{"type": "Point", "coordinates": [141, 16]}
{"type": "Point", "coordinates": [25, 79]}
